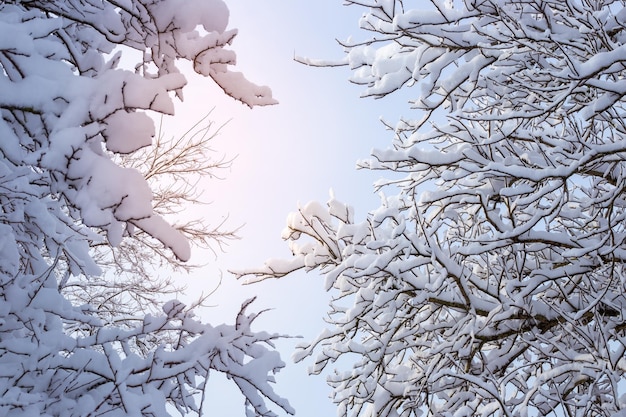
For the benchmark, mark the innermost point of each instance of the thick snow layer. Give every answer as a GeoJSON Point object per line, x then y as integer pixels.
{"type": "Point", "coordinates": [128, 132]}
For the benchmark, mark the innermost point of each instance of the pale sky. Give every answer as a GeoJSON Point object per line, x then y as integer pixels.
{"type": "Point", "coordinates": [291, 153]}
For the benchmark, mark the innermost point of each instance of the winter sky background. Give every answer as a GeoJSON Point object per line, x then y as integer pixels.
{"type": "Point", "coordinates": [287, 154]}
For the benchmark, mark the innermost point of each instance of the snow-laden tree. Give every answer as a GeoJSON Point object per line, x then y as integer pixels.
{"type": "Point", "coordinates": [491, 280]}
{"type": "Point", "coordinates": [66, 110]}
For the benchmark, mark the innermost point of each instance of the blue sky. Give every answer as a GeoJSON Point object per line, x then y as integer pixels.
{"type": "Point", "coordinates": [287, 154]}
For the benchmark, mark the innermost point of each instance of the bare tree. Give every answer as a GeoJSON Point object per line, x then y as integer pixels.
{"type": "Point", "coordinates": [139, 271]}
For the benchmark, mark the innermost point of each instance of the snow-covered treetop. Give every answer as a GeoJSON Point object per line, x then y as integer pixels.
{"type": "Point", "coordinates": [492, 283]}
{"type": "Point", "coordinates": [66, 103]}
{"type": "Point", "coordinates": [66, 106]}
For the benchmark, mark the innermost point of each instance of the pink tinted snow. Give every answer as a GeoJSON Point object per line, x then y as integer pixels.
{"type": "Point", "coordinates": [128, 132]}
{"type": "Point", "coordinates": [158, 228]}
